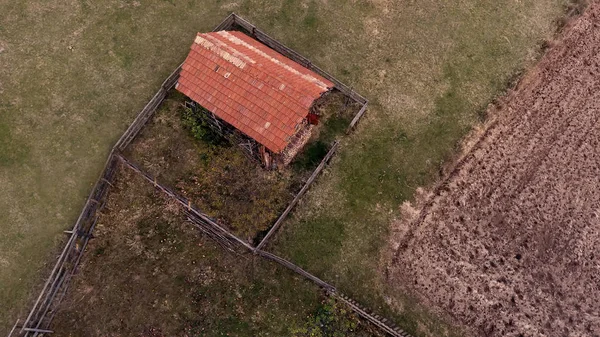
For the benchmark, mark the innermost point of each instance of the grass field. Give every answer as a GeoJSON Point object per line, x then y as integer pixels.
{"type": "Point", "coordinates": [74, 73]}
{"type": "Point", "coordinates": [149, 265]}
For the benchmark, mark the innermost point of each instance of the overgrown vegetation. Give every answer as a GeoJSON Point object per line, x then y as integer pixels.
{"type": "Point", "coordinates": [182, 151]}
{"type": "Point", "coordinates": [393, 52]}
{"type": "Point", "coordinates": [146, 264]}
{"type": "Point", "coordinates": [198, 125]}
{"type": "Point", "coordinates": [311, 156]}
{"type": "Point", "coordinates": [336, 113]}
{"type": "Point", "coordinates": [333, 319]}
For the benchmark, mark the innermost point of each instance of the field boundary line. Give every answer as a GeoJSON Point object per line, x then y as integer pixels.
{"type": "Point", "coordinates": [437, 189]}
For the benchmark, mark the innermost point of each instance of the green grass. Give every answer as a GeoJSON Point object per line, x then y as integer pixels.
{"type": "Point", "coordinates": [76, 72]}
{"type": "Point", "coordinates": [429, 70]}
{"type": "Point", "coordinates": [146, 263]}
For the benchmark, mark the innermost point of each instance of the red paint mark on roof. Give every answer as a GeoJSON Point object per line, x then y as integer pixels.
{"type": "Point", "coordinates": [250, 86]}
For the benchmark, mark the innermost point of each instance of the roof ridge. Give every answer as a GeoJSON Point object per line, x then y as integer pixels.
{"type": "Point", "coordinates": [304, 94]}
{"type": "Point", "coordinates": [307, 77]}
{"type": "Point", "coordinates": [254, 88]}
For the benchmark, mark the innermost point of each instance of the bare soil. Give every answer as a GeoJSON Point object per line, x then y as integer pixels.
{"type": "Point", "coordinates": [507, 245]}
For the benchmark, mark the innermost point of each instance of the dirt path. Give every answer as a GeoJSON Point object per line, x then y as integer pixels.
{"type": "Point", "coordinates": [509, 245]}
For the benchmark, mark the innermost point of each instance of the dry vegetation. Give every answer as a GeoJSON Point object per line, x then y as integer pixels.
{"type": "Point", "coordinates": [78, 71]}
{"type": "Point", "coordinates": [507, 246]}
{"type": "Point", "coordinates": [148, 272]}
{"type": "Point", "coordinates": [219, 178]}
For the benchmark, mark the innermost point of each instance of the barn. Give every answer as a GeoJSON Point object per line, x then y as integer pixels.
{"type": "Point", "coordinates": [266, 101]}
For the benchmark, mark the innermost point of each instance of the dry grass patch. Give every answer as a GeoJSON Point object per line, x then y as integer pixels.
{"type": "Point", "coordinates": [78, 71]}
{"type": "Point", "coordinates": [219, 178]}
{"type": "Point", "coordinates": [148, 272]}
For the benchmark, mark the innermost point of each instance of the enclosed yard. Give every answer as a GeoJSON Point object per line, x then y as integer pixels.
{"type": "Point", "coordinates": [77, 72]}
{"type": "Point", "coordinates": [508, 244]}
{"type": "Point", "coordinates": [218, 176]}
{"type": "Point", "coordinates": [149, 272]}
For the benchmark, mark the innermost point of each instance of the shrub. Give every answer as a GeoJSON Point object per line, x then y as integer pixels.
{"type": "Point", "coordinates": [199, 126]}
{"type": "Point", "coordinates": [331, 319]}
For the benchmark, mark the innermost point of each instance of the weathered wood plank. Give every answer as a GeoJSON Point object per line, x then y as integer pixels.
{"type": "Point", "coordinates": [296, 269]}
{"type": "Point", "coordinates": [374, 319]}
{"type": "Point", "coordinates": [302, 191]}
{"type": "Point", "coordinates": [13, 328]}
{"type": "Point", "coordinates": [183, 202]}
{"type": "Point", "coordinates": [57, 276]}
{"type": "Point", "coordinates": [226, 24]}
{"type": "Point", "coordinates": [356, 118]}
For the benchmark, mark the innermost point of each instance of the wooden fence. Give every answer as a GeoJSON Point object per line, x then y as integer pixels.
{"type": "Point", "coordinates": [197, 215]}
{"type": "Point", "coordinates": [56, 285]}
{"type": "Point", "coordinates": [225, 238]}
{"type": "Point", "coordinates": [302, 191]}
{"type": "Point", "coordinates": [147, 112]}
{"type": "Point", "coordinates": [234, 21]}
{"type": "Point", "coordinates": [381, 322]}
{"type": "Point", "coordinates": [45, 307]}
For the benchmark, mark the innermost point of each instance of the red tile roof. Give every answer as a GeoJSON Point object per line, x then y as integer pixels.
{"type": "Point", "coordinates": [250, 86]}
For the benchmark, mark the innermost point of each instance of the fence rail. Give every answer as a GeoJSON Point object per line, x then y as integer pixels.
{"type": "Point", "coordinates": [302, 191]}
{"type": "Point", "coordinates": [45, 307]}
{"type": "Point", "coordinates": [356, 118]}
{"type": "Point", "coordinates": [225, 238]}
{"type": "Point", "coordinates": [377, 320]}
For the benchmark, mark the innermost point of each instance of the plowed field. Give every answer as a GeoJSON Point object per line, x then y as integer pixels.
{"type": "Point", "coordinates": [508, 244]}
